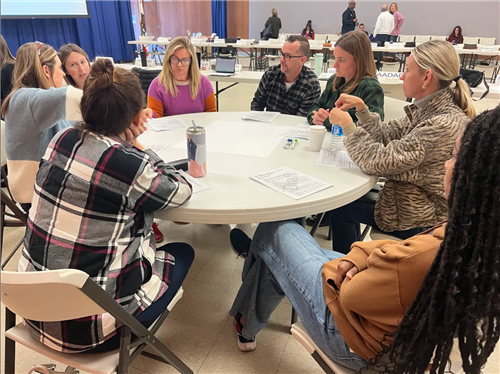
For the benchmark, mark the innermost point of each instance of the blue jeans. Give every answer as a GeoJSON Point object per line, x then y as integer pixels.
{"type": "Point", "coordinates": [284, 260]}
{"type": "Point", "coordinates": [393, 38]}
{"type": "Point", "coordinates": [346, 222]}
{"type": "Point", "coordinates": [184, 256]}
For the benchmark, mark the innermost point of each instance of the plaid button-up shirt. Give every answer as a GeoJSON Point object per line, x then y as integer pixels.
{"type": "Point", "coordinates": [92, 210]}
{"type": "Point", "coordinates": [273, 95]}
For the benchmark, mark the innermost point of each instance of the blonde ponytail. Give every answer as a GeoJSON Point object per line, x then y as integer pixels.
{"type": "Point", "coordinates": [442, 59]}
{"type": "Point", "coordinates": [461, 96]}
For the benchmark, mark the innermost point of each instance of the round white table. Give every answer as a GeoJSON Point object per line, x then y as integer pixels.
{"type": "Point", "coordinates": [235, 198]}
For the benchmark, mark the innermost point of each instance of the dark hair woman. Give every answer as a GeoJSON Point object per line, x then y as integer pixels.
{"type": "Point", "coordinates": [7, 65]}
{"type": "Point", "coordinates": [456, 36]}
{"type": "Point", "coordinates": [308, 31]}
{"type": "Point", "coordinates": [95, 195]}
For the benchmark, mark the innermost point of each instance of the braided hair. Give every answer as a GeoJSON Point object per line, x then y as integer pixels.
{"type": "Point", "coordinates": [460, 296]}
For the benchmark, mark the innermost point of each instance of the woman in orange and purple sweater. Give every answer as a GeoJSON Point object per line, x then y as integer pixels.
{"type": "Point", "coordinates": [180, 88]}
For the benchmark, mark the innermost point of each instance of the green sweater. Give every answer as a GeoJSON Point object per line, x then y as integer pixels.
{"type": "Point", "coordinates": [369, 90]}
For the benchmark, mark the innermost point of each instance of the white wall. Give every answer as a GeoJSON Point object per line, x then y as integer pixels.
{"type": "Point", "coordinates": [477, 18]}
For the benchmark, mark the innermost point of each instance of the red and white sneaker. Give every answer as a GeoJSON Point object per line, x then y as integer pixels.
{"type": "Point", "coordinates": [157, 232]}
{"type": "Point", "coordinates": [244, 345]}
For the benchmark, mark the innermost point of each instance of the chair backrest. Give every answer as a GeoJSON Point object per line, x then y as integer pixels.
{"type": "Point", "coordinates": [471, 40]}
{"type": "Point", "coordinates": [334, 37]}
{"type": "Point", "coordinates": [321, 37]}
{"type": "Point", "coordinates": [48, 296]}
{"type": "Point", "coordinates": [422, 38]}
{"type": "Point", "coordinates": [487, 41]}
{"type": "Point", "coordinates": [2, 145]}
{"type": "Point", "coordinates": [407, 38]}
{"type": "Point", "coordinates": [440, 37]}
{"type": "Point", "coordinates": [146, 76]}
{"type": "Point", "coordinates": [276, 42]}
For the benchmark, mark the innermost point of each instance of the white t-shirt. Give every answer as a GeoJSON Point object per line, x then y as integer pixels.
{"type": "Point", "coordinates": [288, 85]}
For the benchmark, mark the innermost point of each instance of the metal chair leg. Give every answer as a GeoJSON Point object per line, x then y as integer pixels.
{"type": "Point", "coordinates": [123, 360]}
{"type": "Point", "coordinates": [317, 222]}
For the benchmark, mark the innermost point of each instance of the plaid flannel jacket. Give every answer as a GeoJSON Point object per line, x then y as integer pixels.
{"type": "Point", "coordinates": [92, 210]}
{"type": "Point", "coordinates": [297, 101]}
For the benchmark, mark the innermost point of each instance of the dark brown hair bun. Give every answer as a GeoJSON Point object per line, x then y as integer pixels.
{"type": "Point", "coordinates": [101, 74]}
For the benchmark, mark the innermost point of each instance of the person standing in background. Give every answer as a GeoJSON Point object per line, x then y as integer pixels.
{"type": "Point", "coordinates": [274, 24]}
{"type": "Point", "coordinates": [349, 20]}
{"type": "Point", "coordinates": [398, 22]}
{"type": "Point", "coordinates": [383, 27]}
{"type": "Point", "coordinates": [456, 36]}
{"type": "Point", "coordinates": [7, 64]}
{"type": "Point", "coordinates": [308, 31]}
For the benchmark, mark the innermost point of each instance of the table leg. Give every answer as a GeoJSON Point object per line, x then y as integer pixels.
{"type": "Point", "coordinates": [217, 94]}
{"type": "Point", "coordinates": [302, 221]}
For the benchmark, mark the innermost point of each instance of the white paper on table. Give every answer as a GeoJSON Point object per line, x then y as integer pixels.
{"type": "Point", "coordinates": [235, 138]}
{"type": "Point", "coordinates": [195, 182]}
{"type": "Point", "coordinates": [335, 158]}
{"type": "Point", "coordinates": [260, 116]}
{"type": "Point", "coordinates": [291, 183]}
{"type": "Point", "coordinates": [297, 132]}
{"type": "Point", "coordinates": [166, 124]}
{"type": "Point", "coordinates": [156, 148]}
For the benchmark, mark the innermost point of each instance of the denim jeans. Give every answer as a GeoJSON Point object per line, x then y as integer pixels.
{"type": "Point", "coordinates": [346, 222]}
{"type": "Point", "coordinates": [284, 260]}
{"type": "Point", "coordinates": [380, 39]}
{"type": "Point", "coordinates": [393, 38]}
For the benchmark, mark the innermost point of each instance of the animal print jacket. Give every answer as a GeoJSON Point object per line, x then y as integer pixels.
{"type": "Point", "coordinates": [410, 153]}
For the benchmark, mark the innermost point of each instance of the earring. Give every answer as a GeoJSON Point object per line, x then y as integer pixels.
{"type": "Point", "coordinates": [424, 87]}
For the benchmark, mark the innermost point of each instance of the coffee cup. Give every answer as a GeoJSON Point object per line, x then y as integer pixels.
{"type": "Point", "coordinates": [316, 137]}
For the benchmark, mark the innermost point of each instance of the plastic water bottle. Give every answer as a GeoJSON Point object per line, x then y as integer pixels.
{"type": "Point", "coordinates": [337, 137]}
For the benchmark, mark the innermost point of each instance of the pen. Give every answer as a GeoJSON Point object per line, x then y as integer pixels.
{"type": "Point", "coordinates": [287, 144]}
{"type": "Point", "coordinates": [295, 143]}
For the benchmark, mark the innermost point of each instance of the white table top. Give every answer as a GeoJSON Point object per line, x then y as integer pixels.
{"type": "Point", "coordinates": [235, 198]}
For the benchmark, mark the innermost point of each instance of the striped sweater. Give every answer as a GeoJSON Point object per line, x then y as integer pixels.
{"type": "Point", "coordinates": [410, 152]}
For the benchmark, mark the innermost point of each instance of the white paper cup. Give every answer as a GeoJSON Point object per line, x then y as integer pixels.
{"type": "Point", "coordinates": [316, 137]}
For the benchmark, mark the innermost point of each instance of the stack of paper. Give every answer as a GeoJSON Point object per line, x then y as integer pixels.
{"type": "Point", "coordinates": [325, 76]}
{"type": "Point", "coordinates": [297, 132]}
{"type": "Point", "coordinates": [335, 158]}
{"type": "Point", "coordinates": [166, 124]}
{"type": "Point", "coordinates": [291, 183]}
{"type": "Point", "coordinates": [261, 116]}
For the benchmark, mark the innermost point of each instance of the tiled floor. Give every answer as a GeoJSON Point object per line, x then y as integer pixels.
{"type": "Point", "coordinates": [199, 329]}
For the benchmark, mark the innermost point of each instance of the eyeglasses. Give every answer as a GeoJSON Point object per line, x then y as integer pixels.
{"type": "Point", "coordinates": [287, 58]}
{"type": "Point", "coordinates": [175, 61]}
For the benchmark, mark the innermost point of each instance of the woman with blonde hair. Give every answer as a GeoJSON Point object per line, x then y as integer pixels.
{"type": "Point", "coordinates": [75, 63]}
{"type": "Point", "coordinates": [356, 75]}
{"type": "Point", "coordinates": [409, 152]}
{"type": "Point", "coordinates": [37, 109]}
{"type": "Point", "coordinates": [272, 26]}
{"type": "Point", "coordinates": [7, 64]}
{"type": "Point", "coordinates": [180, 88]}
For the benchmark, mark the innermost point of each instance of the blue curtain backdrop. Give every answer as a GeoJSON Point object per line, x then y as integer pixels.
{"type": "Point", "coordinates": [106, 33]}
{"type": "Point", "coordinates": [219, 18]}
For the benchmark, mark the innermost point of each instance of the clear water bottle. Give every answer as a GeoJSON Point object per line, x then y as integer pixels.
{"type": "Point", "coordinates": [337, 137]}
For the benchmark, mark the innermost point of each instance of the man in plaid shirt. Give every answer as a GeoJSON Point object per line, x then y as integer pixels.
{"type": "Point", "coordinates": [290, 87]}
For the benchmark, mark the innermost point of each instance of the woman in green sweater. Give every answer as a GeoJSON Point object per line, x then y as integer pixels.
{"type": "Point", "coordinates": [356, 75]}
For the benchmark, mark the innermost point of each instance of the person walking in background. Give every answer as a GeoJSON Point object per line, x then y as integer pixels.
{"type": "Point", "coordinates": [272, 26]}
{"type": "Point", "coordinates": [349, 20]}
{"type": "Point", "coordinates": [456, 36]}
{"type": "Point", "coordinates": [308, 31]}
{"type": "Point", "coordinates": [383, 27]}
{"type": "Point", "coordinates": [398, 22]}
{"type": "Point", "coordinates": [7, 64]}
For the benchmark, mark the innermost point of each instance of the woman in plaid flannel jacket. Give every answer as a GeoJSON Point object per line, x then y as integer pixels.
{"type": "Point", "coordinates": [92, 210]}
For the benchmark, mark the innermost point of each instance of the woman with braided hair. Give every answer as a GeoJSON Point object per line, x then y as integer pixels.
{"type": "Point", "coordinates": [460, 296]}
{"type": "Point", "coordinates": [403, 301]}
